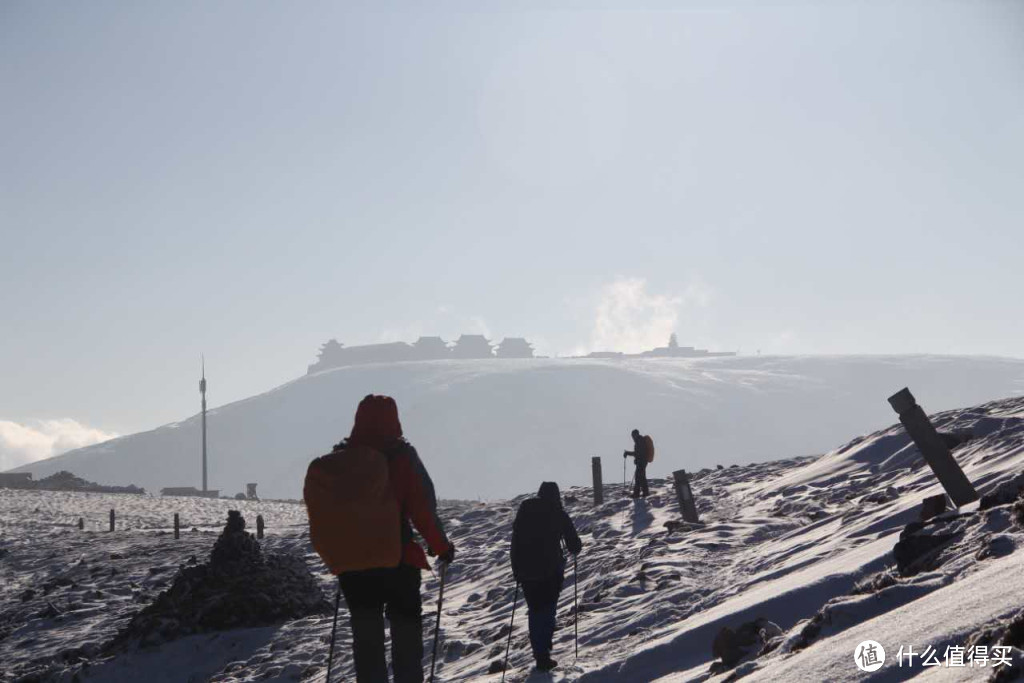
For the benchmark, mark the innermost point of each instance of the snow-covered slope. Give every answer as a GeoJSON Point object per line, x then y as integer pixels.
{"type": "Point", "coordinates": [494, 428]}
{"type": "Point", "coordinates": [805, 543]}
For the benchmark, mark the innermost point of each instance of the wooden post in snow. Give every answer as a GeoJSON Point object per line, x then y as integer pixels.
{"type": "Point", "coordinates": [595, 467]}
{"type": "Point", "coordinates": [685, 496]}
{"type": "Point", "coordinates": [259, 526]}
{"type": "Point", "coordinates": [177, 527]}
{"type": "Point", "coordinates": [81, 523]}
{"type": "Point", "coordinates": [111, 519]}
{"type": "Point", "coordinates": [933, 448]}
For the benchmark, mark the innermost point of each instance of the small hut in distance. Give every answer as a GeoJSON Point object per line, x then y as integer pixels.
{"type": "Point", "coordinates": [514, 347]}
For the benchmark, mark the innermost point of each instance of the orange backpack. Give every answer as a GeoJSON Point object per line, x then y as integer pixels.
{"type": "Point", "coordinates": [650, 448]}
{"type": "Point", "coordinates": [354, 520]}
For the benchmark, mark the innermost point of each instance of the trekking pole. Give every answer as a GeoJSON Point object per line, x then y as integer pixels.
{"type": "Point", "coordinates": [334, 630]}
{"type": "Point", "coordinates": [575, 605]}
{"type": "Point", "coordinates": [437, 624]}
{"type": "Point", "coordinates": [508, 646]}
{"type": "Point", "coordinates": [625, 510]}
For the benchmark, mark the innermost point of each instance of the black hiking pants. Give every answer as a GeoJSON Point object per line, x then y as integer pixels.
{"type": "Point", "coordinates": [640, 480]}
{"type": "Point", "coordinates": [542, 601]}
{"type": "Point", "coordinates": [370, 594]}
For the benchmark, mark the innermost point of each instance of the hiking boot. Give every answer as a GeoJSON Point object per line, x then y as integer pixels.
{"type": "Point", "coordinates": [546, 664]}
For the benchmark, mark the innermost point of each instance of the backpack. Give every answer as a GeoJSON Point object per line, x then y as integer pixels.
{"type": "Point", "coordinates": [537, 535]}
{"type": "Point", "coordinates": [354, 518]}
{"type": "Point", "coordinates": [650, 448]}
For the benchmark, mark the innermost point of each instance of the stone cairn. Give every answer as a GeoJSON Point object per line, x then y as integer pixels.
{"type": "Point", "coordinates": [239, 587]}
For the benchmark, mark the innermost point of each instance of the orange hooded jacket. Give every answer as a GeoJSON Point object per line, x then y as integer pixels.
{"type": "Point", "coordinates": [377, 426]}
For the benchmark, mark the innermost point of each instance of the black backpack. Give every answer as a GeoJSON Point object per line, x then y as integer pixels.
{"type": "Point", "coordinates": [537, 540]}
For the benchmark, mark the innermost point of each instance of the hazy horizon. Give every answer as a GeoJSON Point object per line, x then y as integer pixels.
{"type": "Point", "coordinates": [248, 180]}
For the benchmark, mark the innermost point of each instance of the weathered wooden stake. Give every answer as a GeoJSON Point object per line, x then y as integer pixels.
{"type": "Point", "coordinates": [933, 448]}
{"type": "Point", "coordinates": [177, 526]}
{"type": "Point", "coordinates": [595, 467]}
{"type": "Point", "coordinates": [111, 519]}
{"type": "Point", "coordinates": [259, 526]}
{"type": "Point", "coordinates": [685, 496]}
{"type": "Point", "coordinates": [81, 523]}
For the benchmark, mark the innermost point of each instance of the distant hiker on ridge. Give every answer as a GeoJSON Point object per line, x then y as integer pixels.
{"type": "Point", "coordinates": [361, 498]}
{"type": "Point", "coordinates": [538, 563]}
{"type": "Point", "coordinates": [642, 454]}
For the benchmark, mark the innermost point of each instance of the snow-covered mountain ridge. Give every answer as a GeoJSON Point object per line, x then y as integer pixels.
{"type": "Point", "coordinates": [493, 428]}
{"type": "Point", "coordinates": [804, 543]}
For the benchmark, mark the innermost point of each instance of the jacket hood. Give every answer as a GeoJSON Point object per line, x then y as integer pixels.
{"type": "Point", "coordinates": [549, 492]}
{"type": "Point", "coordinates": [376, 422]}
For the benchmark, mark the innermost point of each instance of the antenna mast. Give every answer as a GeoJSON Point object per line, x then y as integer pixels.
{"type": "Point", "coordinates": [202, 392]}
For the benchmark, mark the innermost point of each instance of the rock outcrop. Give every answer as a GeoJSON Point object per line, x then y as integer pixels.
{"type": "Point", "coordinates": [239, 587]}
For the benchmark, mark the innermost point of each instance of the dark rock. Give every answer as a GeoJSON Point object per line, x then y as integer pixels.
{"type": "Point", "coordinates": [884, 496]}
{"type": "Point", "coordinates": [751, 637]}
{"type": "Point", "coordinates": [1018, 510]}
{"type": "Point", "coordinates": [994, 546]}
{"type": "Point", "coordinates": [809, 632]}
{"type": "Point", "coordinates": [674, 525]}
{"type": "Point", "coordinates": [1003, 494]}
{"type": "Point", "coordinates": [496, 666]}
{"type": "Point", "coordinates": [1002, 633]}
{"type": "Point", "coordinates": [1013, 635]}
{"type": "Point", "coordinates": [911, 553]}
{"type": "Point", "coordinates": [238, 588]}
{"type": "Point", "coordinates": [875, 583]}
{"type": "Point", "coordinates": [933, 506]}
{"type": "Point", "coordinates": [49, 611]}
{"type": "Point", "coordinates": [57, 582]}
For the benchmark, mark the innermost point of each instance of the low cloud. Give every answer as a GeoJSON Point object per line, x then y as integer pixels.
{"type": "Point", "coordinates": [631, 319]}
{"type": "Point", "coordinates": [21, 444]}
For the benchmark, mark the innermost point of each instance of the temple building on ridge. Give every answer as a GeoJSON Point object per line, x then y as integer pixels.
{"type": "Point", "coordinates": [514, 347]}
{"type": "Point", "coordinates": [472, 346]}
{"type": "Point", "coordinates": [334, 354]}
{"type": "Point", "coordinates": [431, 348]}
{"type": "Point", "coordinates": [673, 350]}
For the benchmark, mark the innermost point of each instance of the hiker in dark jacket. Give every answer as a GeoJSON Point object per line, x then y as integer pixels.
{"type": "Point", "coordinates": [640, 458]}
{"type": "Point", "coordinates": [371, 593]}
{"type": "Point", "coordinates": [538, 563]}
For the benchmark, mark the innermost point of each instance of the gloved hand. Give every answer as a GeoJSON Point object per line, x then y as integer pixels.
{"type": "Point", "coordinates": [625, 454]}
{"type": "Point", "coordinates": [448, 556]}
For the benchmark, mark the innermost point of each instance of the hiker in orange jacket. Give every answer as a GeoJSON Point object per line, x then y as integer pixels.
{"type": "Point", "coordinates": [369, 592]}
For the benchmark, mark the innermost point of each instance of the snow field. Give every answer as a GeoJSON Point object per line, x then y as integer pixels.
{"type": "Point", "coordinates": [791, 541]}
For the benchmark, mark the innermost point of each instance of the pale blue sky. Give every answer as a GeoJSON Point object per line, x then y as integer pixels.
{"type": "Point", "coordinates": [250, 179]}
